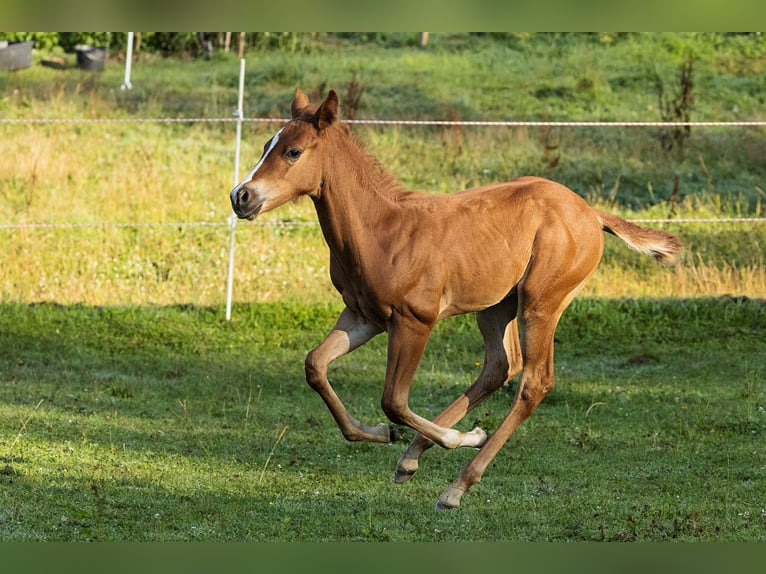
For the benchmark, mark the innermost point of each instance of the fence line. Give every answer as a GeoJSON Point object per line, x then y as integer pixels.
{"type": "Point", "coordinates": [682, 220]}
{"type": "Point", "coordinates": [239, 119]}
{"type": "Point", "coordinates": [115, 225]}
{"type": "Point", "coordinates": [443, 123]}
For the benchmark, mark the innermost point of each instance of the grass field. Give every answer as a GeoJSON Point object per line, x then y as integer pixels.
{"type": "Point", "coordinates": [165, 423]}
{"type": "Point", "coordinates": [131, 411]}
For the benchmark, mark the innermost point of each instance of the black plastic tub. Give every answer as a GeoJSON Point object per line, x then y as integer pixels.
{"type": "Point", "coordinates": [15, 56]}
{"type": "Point", "coordinates": [90, 57]}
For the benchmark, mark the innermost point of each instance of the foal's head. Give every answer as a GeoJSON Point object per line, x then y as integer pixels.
{"type": "Point", "coordinates": [291, 164]}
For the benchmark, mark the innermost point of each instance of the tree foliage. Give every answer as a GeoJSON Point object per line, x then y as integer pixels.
{"type": "Point", "coordinates": [704, 45]}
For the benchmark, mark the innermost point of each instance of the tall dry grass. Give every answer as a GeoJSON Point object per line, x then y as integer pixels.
{"type": "Point", "coordinates": [156, 174]}
{"type": "Point", "coordinates": [162, 173]}
{"type": "Point", "coordinates": [188, 264]}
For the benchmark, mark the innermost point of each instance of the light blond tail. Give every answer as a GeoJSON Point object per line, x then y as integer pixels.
{"type": "Point", "coordinates": [663, 246]}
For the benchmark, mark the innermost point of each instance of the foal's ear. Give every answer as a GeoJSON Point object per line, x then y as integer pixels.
{"type": "Point", "coordinates": [300, 101]}
{"type": "Point", "coordinates": [327, 112]}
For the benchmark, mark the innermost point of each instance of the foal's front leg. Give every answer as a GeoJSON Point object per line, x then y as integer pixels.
{"type": "Point", "coordinates": [407, 339]}
{"type": "Point", "coordinates": [502, 361]}
{"type": "Point", "coordinates": [350, 332]}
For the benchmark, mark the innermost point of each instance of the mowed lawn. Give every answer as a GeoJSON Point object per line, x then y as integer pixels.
{"type": "Point", "coordinates": [167, 423]}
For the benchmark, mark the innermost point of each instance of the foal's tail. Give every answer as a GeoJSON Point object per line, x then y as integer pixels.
{"type": "Point", "coordinates": [663, 246]}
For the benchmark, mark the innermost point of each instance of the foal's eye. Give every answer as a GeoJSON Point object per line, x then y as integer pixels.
{"type": "Point", "coordinates": [293, 154]}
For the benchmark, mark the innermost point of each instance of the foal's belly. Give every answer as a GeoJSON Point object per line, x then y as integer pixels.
{"type": "Point", "coordinates": [471, 292]}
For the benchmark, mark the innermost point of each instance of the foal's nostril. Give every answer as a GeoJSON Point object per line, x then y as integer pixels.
{"type": "Point", "coordinates": [244, 196]}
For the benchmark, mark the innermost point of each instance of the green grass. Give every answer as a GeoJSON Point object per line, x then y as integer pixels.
{"type": "Point", "coordinates": [165, 423]}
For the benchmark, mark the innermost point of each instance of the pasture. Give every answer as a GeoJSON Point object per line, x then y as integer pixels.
{"type": "Point", "coordinates": [166, 423]}
{"type": "Point", "coordinates": [131, 411]}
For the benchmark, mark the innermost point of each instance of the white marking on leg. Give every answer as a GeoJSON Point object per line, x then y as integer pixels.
{"type": "Point", "coordinates": [453, 438]}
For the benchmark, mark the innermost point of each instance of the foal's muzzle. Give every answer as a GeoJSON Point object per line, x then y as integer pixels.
{"type": "Point", "coordinates": [245, 202]}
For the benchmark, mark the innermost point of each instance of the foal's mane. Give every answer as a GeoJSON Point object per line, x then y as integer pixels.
{"type": "Point", "coordinates": [364, 164]}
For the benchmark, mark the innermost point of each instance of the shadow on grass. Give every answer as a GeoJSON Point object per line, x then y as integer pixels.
{"type": "Point", "coordinates": [185, 367]}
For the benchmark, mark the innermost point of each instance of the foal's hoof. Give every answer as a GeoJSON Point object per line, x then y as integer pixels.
{"type": "Point", "coordinates": [394, 434]}
{"type": "Point", "coordinates": [384, 432]}
{"type": "Point", "coordinates": [403, 475]}
{"type": "Point", "coordinates": [449, 499]}
{"type": "Point", "coordinates": [444, 505]}
{"type": "Point", "coordinates": [405, 468]}
{"type": "Point", "coordinates": [476, 438]}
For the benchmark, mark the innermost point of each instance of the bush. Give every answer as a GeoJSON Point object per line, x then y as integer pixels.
{"type": "Point", "coordinates": [42, 40]}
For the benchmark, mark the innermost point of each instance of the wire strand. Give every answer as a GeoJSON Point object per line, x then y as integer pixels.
{"type": "Point", "coordinates": [480, 123]}
{"type": "Point", "coordinates": [680, 220]}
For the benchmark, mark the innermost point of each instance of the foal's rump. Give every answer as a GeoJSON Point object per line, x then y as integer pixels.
{"type": "Point", "coordinates": [497, 236]}
{"type": "Point", "coordinates": [558, 205]}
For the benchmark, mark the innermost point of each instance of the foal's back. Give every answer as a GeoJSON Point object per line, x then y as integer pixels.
{"type": "Point", "coordinates": [482, 241]}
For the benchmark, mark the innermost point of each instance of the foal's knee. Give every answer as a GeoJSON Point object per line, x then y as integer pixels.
{"type": "Point", "coordinates": [315, 370]}
{"type": "Point", "coordinates": [532, 392]}
{"type": "Point", "coordinates": [395, 410]}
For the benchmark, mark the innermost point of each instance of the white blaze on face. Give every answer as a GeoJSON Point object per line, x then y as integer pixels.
{"type": "Point", "coordinates": [250, 175]}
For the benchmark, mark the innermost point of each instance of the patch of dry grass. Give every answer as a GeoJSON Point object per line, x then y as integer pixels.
{"type": "Point", "coordinates": [164, 173]}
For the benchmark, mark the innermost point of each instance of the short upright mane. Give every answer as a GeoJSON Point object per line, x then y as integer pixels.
{"type": "Point", "coordinates": [357, 154]}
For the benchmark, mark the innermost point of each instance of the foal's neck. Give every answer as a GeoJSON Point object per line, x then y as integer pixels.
{"type": "Point", "coordinates": [358, 196]}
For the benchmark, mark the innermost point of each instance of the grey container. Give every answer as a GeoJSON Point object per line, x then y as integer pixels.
{"type": "Point", "coordinates": [15, 56]}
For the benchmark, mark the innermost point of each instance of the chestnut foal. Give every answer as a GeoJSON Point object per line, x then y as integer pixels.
{"type": "Point", "coordinates": [514, 253]}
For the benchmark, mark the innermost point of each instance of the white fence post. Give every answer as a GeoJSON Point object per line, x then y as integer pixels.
{"type": "Point", "coordinates": [233, 218]}
{"type": "Point", "coordinates": [126, 85]}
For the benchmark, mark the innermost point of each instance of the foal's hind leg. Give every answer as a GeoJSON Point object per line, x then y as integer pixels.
{"type": "Point", "coordinates": [541, 302]}
{"type": "Point", "coordinates": [502, 361]}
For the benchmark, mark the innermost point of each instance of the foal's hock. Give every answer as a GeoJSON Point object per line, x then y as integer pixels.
{"type": "Point", "coordinates": [513, 253]}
